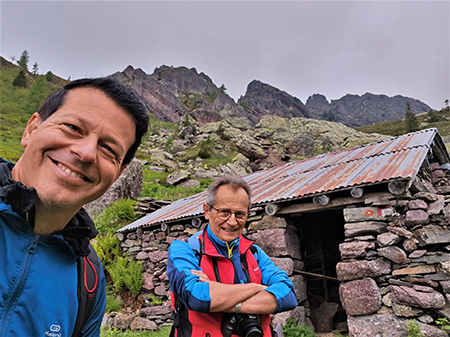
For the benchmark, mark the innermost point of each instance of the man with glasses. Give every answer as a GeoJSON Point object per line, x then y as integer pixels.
{"type": "Point", "coordinates": [221, 283]}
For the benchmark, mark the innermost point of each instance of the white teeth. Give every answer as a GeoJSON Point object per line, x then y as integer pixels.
{"type": "Point", "coordinates": [73, 174]}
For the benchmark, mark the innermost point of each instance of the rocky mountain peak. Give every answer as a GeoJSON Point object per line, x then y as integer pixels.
{"type": "Point", "coordinates": [265, 100]}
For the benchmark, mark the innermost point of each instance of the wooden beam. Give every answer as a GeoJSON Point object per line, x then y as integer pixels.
{"type": "Point", "coordinates": [356, 192]}
{"type": "Point", "coordinates": [271, 209]}
{"type": "Point", "coordinates": [321, 200]}
{"type": "Point", "coordinates": [316, 275]}
{"type": "Point", "coordinates": [397, 187]}
{"type": "Point", "coordinates": [334, 203]}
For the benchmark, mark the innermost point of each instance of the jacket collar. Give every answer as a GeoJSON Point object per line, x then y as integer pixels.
{"type": "Point", "coordinates": [78, 231]}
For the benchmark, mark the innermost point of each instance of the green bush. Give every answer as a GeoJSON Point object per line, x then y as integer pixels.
{"type": "Point", "coordinates": [112, 301]}
{"type": "Point", "coordinates": [443, 323]}
{"type": "Point", "coordinates": [114, 332]}
{"type": "Point", "coordinates": [115, 216]}
{"type": "Point", "coordinates": [126, 272]}
{"type": "Point", "coordinates": [292, 329]}
{"type": "Point", "coordinates": [414, 329]}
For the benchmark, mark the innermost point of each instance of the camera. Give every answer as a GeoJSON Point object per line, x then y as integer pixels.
{"type": "Point", "coordinates": [243, 325]}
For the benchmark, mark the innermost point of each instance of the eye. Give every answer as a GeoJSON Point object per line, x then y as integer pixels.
{"type": "Point", "coordinates": [240, 215]}
{"type": "Point", "coordinates": [224, 213]}
{"type": "Point", "coordinates": [109, 149]}
{"type": "Point", "coordinates": [73, 127]}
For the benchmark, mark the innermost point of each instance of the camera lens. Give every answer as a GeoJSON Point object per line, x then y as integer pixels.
{"type": "Point", "coordinates": [250, 326]}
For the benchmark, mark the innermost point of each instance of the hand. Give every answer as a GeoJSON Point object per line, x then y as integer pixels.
{"type": "Point", "coordinates": [201, 274]}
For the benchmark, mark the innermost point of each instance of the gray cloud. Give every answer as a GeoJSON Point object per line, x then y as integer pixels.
{"type": "Point", "coordinates": [302, 47]}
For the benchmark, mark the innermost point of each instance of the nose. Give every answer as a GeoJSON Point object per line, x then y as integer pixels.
{"type": "Point", "coordinates": [232, 219]}
{"type": "Point", "coordinates": [85, 149]}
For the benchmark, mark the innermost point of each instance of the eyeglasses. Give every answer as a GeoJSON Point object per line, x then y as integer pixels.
{"type": "Point", "coordinates": [224, 214]}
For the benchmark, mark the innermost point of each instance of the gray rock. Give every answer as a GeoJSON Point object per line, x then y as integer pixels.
{"type": "Point", "coordinates": [360, 297]}
{"type": "Point", "coordinates": [285, 264]}
{"type": "Point", "coordinates": [432, 234]}
{"type": "Point", "coordinates": [123, 321]}
{"type": "Point", "coordinates": [277, 242]}
{"type": "Point", "coordinates": [298, 314]}
{"type": "Point", "coordinates": [268, 222]}
{"type": "Point", "coordinates": [177, 177]}
{"type": "Point", "coordinates": [128, 185]}
{"type": "Point", "coordinates": [385, 325]}
{"type": "Point", "coordinates": [437, 206]}
{"type": "Point", "coordinates": [322, 317]}
{"type": "Point", "coordinates": [417, 204]}
{"type": "Point", "coordinates": [368, 214]}
{"type": "Point", "coordinates": [388, 239]}
{"type": "Point", "coordinates": [140, 323]}
{"type": "Point", "coordinates": [147, 282]}
{"type": "Point", "coordinates": [409, 296]}
{"type": "Point", "coordinates": [347, 271]}
{"type": "Point", "coordinates": [299, 282]}
{"type": "Point", "coordinates": [393, 253]}
{"type": "Point", "coordinates": [189, 183]}
{"type": "Point", "coordinates": [416, 217]}
{"type": "Point", "coordinates": [406, 310]}
{"type": "Point", "coordinates": [351, 250]}
{"type": "Point", "coordinates": [364, 228]}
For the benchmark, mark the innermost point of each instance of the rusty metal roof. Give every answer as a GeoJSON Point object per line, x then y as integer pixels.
{"type": "Point", "coordinates": [395, 158]}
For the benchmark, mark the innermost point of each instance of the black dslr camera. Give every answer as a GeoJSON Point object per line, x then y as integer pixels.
{"type": "Point", "coordinates": [244, 325]}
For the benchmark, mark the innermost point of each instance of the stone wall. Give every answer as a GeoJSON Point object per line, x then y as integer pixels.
{"type": "Point", "coordinates": [396, 263]}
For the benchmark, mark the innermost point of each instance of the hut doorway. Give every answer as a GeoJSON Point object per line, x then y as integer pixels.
{"type": "Point", "coordinates": [320, 235]}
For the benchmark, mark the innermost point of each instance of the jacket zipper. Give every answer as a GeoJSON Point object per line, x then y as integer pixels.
{"type": "Point", "coordinates": [18, 286]}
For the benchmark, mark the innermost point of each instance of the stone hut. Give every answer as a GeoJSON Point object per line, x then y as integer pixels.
{"type": "Point", "coordinates": [363, 233]}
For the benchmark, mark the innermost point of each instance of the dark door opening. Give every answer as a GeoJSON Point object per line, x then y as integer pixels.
{"type": "Point", "coordinates": [320, 235]}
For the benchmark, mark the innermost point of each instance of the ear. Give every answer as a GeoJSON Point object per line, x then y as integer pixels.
{"type": "Point", "coordinates": [32, 125]}
{"type": "Point", "coordinates": [206, 211]}
{"type": "Point", "coordinates": [121, 170]}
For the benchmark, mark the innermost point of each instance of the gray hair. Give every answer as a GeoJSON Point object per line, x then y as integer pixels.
{"type": "Point", "coordinates": [234, 181]}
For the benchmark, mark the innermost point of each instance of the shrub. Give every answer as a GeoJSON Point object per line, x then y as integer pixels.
{"type": "Point", "coordinates": [126, 272]}
{"type": "Point", "coordinates": [107, 247]}
{"type": "Point", "coordinates": [115, 216]}
{"type": "Point", "coordinates": [292, 329]}
{"type": "Point", "coordinates": [414, 329]}
{"type": "Point", "coordinates": [443, 323]}
{"type": "Point", "coordinates": [112, 301]}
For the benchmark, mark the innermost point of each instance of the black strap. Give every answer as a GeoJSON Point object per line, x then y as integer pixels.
{"type": "Point", "coordinates": [88, 270]}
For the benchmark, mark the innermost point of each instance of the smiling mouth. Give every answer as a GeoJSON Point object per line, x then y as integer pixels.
{"type": "Point", "coordinates": [229, 230]}
{"type": "Point", "coordinates": [68, 171]}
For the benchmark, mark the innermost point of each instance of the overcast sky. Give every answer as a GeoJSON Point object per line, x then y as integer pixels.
{"type": "Point", "coordinates": [302, 47]}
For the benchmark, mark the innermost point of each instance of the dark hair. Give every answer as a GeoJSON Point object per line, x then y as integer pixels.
{"type": "Point", "coordinates": [120, 94]}
{"type": "Point", "coordinates": [234, 181]}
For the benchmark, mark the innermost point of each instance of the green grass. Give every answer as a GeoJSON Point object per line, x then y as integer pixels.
{"type": "Point", "coordinates": [398, 127]}
{"type": "Point", "coordinates": [164, 332]}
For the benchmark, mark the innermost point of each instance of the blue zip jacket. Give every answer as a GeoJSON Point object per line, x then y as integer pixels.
{"type": "Point", "coordinates": [194, 294]}
{"type": "Point", "coordinates": [38, 273]}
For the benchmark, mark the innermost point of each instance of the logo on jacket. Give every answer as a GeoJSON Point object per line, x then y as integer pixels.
{"type": "Point", "coordinates": [54, 331]}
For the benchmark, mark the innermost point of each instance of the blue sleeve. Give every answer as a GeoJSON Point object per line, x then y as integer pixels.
{"type": "Point", "coordinates": [277, 281]}
{"type": "Point", "coordinates": [94, 322]}
{"type": "Point", "coordinates": [193, 293]}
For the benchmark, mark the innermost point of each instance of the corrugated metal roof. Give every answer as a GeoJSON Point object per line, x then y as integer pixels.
{"type": "Point", "coordinates": [395, 158]}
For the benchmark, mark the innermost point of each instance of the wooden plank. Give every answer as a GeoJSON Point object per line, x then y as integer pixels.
{"type": "Point", "coordinates": [316, 275]}
{"type": "Point", "coordinates": [334, 203]}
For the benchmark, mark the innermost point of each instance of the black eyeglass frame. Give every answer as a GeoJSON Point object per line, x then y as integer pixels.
{"type": "Point", "coordinates": [231, 212]}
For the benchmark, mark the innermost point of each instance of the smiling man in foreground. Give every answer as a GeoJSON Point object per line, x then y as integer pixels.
{"type": "Point", "coordinates": [222, 284]}
{"type": "Point", "coordinates": [76, 146]}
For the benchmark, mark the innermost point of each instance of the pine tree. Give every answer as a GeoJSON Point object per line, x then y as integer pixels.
{"type": "Point", "coordinates": [411, 122]}
{"type": "Point", "coordinates": [21, 80]}
{"type": "Point", "coordinates": [35, 68]}
{"type": "Point", "coordinates": [23, 60]}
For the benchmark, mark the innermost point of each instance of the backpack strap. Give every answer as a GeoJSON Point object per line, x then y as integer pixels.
{"type": "Point", "coordinates": [88, 271]}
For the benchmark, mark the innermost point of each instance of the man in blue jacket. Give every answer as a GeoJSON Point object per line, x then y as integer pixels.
{"type": "Point", "coordinates": [76, 146]}
{"type": "Point", "coordinates": [221, 283]}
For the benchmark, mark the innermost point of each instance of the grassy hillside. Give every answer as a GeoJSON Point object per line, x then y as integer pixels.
{"type": "Point", "coordinates": [438, 119]}
{"type": "Point", "coordinates": [18, 104]}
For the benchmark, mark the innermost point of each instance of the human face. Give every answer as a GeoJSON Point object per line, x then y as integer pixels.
{"type": "Point", "coordinates": [227, 198]}
{"type": "Point", "coordinates": [75, 155]}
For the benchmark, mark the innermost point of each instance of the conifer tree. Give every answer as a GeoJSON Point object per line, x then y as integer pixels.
{"type": "Point", "coordinates": [411, 122]}
{"type": "Point", "coordinates": [21, 80]}
{"type": "Point", "coordinates": [23, 60]}
{"type": "Point", "coordinates": [35, 68]}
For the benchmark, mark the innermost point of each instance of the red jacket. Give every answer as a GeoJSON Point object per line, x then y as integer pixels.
{"type": "Point", "coordinates": [196, 324]}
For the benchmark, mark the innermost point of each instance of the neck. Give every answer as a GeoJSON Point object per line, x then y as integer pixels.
{"type": "Point", "coordinates": [48, 221]}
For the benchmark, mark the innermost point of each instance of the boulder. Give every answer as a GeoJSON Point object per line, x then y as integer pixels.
{"type": "Point", "coordinates": [416, 298]}
{"type": "Point", "coordinates": [355, 249]}
{"type": "Point", "coordinates": [128, 185]}
{"type": "Point", "coordinates": [393, 253]}
{"type": "Point", "coordinates": [360, 297]}
{"type": "Point", "coordinates": [432, 234]}
{"type": "Point", "coordinates": [278, 242]}
{"type": "Point", "coordinates": [385, 325]}
{"type": "Point", "coordinates": [140, 323]}
{"type": "Point", "coordinates": [347, 271]}
{"type": "Point", "coordinates": [416, 217]}
{"type": "Point", "coordinates": [364, 228]}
